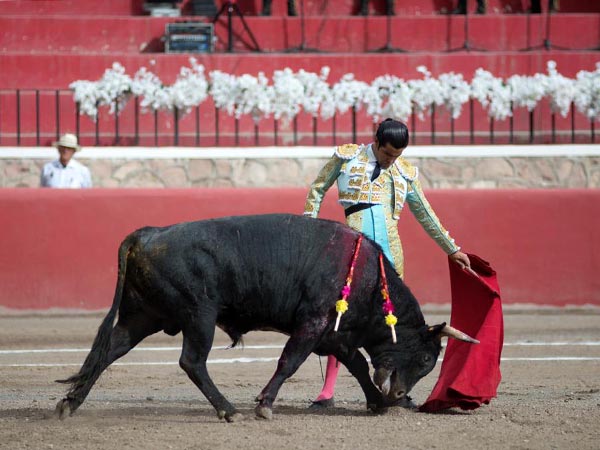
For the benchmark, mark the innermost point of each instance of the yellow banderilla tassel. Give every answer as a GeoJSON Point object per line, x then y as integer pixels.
{"type": "Point", "coordinates": [391, 320]}
{"type": "Point", "coordinates": [341, 306]}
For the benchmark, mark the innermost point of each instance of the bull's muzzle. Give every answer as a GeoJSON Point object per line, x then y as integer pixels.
{"type": "Point", "coordinates": [389, 384]}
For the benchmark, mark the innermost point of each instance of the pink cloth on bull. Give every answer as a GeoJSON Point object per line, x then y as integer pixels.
{"type": "Point", "coordinates": [470, 373]}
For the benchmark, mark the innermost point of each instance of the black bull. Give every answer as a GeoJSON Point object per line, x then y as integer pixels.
{"type": "Point", "coordinates": [272, 272]}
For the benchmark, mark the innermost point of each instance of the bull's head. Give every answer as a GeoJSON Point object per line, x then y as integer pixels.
{"type": "Point", "coordinates": [399, 366]}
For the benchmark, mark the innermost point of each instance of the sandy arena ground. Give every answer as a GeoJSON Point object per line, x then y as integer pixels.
{"type": "Point", "coordinates": [549, 397]}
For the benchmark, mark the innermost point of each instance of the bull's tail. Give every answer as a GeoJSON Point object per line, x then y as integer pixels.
{"type": "Point", "coordinates": [98, 358]}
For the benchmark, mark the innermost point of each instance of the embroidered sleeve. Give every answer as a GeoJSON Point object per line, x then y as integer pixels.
{"type": "Point", "coordinates": [322, 183]}
{"type": "Point", "coordinates": [423, 212]}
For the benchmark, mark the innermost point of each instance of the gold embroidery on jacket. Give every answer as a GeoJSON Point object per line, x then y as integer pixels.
{"type": "Point", "coordinates": [355, 183]}
{"type": "Point", "coordinates": [349, 196]}
{"type": "Point", "coordinates": [347, 151]}
{"type": "Point", "coordinates": [354, 221]}
{"type": "Point", "coordinates": [395, 244]}
{"type": "Point", "coordinates": [358, 169]}
{"type": "Point", "coordinates": [376, 188]}
{"type": "Point", "coordinates": [407, 170]}
{"type": "Point", "coordinates": [423, 212]}
{"type": "Point", "coordinates": [325, 179]}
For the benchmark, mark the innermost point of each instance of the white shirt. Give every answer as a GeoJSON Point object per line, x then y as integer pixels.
{"type": "Point", "coordinates": [372, 162]}
{"type": "Point", "coordinates": [75, 175]}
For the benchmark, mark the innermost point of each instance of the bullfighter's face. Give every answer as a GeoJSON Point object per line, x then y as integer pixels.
{"type": "Point", "coordinates": [386, 154]}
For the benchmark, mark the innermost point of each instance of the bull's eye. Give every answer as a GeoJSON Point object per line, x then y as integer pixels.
{"type": "Point", "coordinates": [426, 358]}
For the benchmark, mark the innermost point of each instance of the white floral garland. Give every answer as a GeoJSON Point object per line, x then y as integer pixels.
{"type": "Point", "coordinates": [291, 92]}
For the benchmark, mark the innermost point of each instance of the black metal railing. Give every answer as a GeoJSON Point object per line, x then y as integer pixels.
{"type": "Point", "coordinates": [36, 117]}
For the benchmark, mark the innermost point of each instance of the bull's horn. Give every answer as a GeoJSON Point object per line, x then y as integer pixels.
{"type": "Point", "coordinates": [386, 386]}
{"type": "Point", "coordinates": [457, 334]}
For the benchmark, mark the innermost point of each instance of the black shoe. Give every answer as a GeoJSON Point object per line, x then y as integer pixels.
{"type": "Point", "coordinates": [322, 404]}
{"type": "Point", "coordinates": [459, 11]}
{"type": "Point", "coordinates": [481, 9]}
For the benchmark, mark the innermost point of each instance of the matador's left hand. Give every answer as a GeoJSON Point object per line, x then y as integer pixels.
{"type": "Point", "coordinates": [461, 259]}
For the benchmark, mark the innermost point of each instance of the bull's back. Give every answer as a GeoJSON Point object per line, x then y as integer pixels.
{"type": "Point", "coordinates": [258, 271]}
{"type": "Point", "coordinates": [271, 237]}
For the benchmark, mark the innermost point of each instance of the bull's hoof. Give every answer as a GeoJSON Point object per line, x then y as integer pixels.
{"type": "Point", "coordinates": [235, 417]}
{"type": "Point", "coordinates": [263, 412]}
{"type": "Point", "coordinates": [63, 409]}
{"type": "Point", "coordinates": [232, 416]}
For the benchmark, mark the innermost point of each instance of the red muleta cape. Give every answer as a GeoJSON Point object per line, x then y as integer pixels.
{"type": "Point", "coordinates": [470, 373]}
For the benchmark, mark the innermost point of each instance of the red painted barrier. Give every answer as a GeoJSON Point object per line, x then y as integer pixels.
{"type": "Point", "coordinates": [59, 248]}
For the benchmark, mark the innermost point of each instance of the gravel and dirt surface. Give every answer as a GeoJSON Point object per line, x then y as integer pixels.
{"type": "Point", "coordinates": [549, 397]}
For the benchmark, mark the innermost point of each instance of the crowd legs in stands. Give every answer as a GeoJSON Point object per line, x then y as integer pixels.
{"type": "Point", "coordinates": [461, 7]}
{"type": "Point", "coordinates": [291, 7]}
{"type": "Point", "coordinates": [535, 7]}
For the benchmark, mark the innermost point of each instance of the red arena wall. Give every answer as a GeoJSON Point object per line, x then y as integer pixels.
{"type": "Point", "coordinates": [59, 248]}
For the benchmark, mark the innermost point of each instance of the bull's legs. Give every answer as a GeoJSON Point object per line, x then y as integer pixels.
{"type": "Point", "coordinates": [358, 366]}
{"type": "Point", "coordinates": [299, 346]}
{"type": "Point", "coordinates": [196, 346]}
{"type": "Point", "coordinates": [122, 339]}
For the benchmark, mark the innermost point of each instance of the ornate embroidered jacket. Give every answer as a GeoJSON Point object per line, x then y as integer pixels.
{"type": "Point", "coordinates": [387, 194]}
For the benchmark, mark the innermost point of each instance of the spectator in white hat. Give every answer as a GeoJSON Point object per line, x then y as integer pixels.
{"type": "Point", "coordinates": [65, 172]}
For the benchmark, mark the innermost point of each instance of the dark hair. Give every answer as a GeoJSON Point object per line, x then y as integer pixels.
{"type": "Point", "coordinates": [392, 132]}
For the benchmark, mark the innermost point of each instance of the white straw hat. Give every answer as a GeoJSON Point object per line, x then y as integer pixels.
{"type": "Point", "coordinates": [68, 140]}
